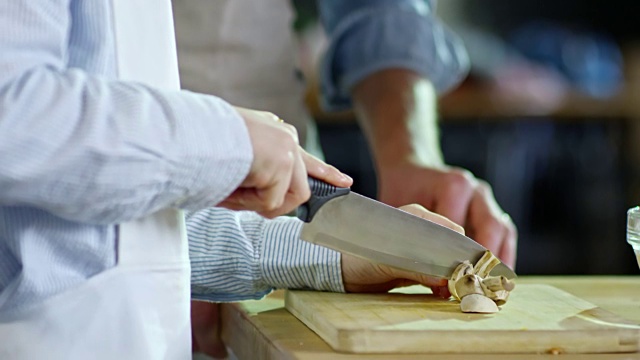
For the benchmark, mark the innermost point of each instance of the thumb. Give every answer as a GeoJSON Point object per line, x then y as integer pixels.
{"type": "Point", "coordinates": [438, 285]}
{"type": "Point", "coordinates": [422, 212]}
{"type": "Point", "coordinates": [423, 279]}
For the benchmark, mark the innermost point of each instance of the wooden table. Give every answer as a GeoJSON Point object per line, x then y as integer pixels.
{"type": "Point", "coordinates": [265, 330]}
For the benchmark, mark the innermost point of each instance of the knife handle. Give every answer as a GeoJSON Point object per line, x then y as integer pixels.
{"type": "Point", "coordinates": [321, 192]}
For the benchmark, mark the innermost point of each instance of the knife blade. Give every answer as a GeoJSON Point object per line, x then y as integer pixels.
{"type": "Point", "coordinates": [345, 221]}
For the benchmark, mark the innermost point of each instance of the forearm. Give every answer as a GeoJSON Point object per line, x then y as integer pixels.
{"type": "Point", "coordinates": [240, 255]}
{"type": "Point", "coordinates": [396, 108]}
{"type": "Point", "coordinates": [101, 151]}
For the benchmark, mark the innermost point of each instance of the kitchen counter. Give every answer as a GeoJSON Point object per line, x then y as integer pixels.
{"type": "Point", "coordinates": [266, 330]}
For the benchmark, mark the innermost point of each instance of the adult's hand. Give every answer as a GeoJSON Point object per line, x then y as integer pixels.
{"type": "Point", "coordinates": [457, 195]}
{"type": "Point", "coordinates": [359, 275]}
{"type": "Point", "coordinates": [397, 110]}
{"type": "Point", "coordinates": [277, 181]}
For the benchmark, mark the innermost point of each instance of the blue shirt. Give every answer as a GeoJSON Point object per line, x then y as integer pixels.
{"type": "Point", "coordinates": [81, 151]}
{"type": "Point", "coordinates": [366, 36]}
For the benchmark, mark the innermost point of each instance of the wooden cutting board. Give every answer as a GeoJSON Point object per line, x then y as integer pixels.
{"type": "Point", "coordinates": [536, 319]}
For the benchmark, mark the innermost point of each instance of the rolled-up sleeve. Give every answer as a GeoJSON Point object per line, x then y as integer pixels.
{"type": "Point", "coordinates": [369, 36]}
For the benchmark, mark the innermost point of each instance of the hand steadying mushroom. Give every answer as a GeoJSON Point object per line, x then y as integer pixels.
{"type": "Point", "coordinates": [477, 291]}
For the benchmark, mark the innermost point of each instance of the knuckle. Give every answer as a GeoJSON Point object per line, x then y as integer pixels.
{"type": "Point", "coordinates": [261, 179]}
{"type": "Point", "coordinates": [460, 180]}
{"type": "Point", "coordinates": [493, 225]}
{"type": "Point", "coordinates": [512, 230]}
{"type": "Point", "coordinates": [270, 116]}
{"type": "Point", "coordinates": [289, 141]}
{"type": "Point", "coordinates": [292, 129]}
{"type": "Point", "coordinates": [287, 160]}
{"type": "Point", "coordinates": [273, 203]}
{"type": "Point", "coordinates": [484, 188]}
{"type": "Point", "coordinates": [293, 133]}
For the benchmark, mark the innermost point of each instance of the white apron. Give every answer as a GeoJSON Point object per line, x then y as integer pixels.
{"type": "Point", "coordinates": [244, 51]}
{"type": "Point", "coordinates": [140, 308]}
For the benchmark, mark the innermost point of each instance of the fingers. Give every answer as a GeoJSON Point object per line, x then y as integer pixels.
{"type": "Point", "coordinates": [421, 211]}
{"type": "Point", "coordinates": [288, 187]}
{"type": "Point", "coordinates": [270, 195]}
{"type": "Point", "coordinates": [455, 195]}
{"type": "Point", "coordinates": [425, 280]}
{"type": "Point", "coordinates": [490, 226]}
{"type": "Point", "coordinates": [277, 179]}
{"type": "Point", "coordinates": [509, 248]}
{"type": "Point", "coordinates": [298, 191]}
{"type": "Point", "coordinates": [325, 172]}
{"type": "Point", "coordinates": [360, 275]}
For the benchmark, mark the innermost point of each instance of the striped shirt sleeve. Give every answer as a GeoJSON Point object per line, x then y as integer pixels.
{"type": "Point", "coordinates": [241, 255]}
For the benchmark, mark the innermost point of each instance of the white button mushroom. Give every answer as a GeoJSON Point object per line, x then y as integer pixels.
{"type": "Point", "coordinates": [477, 291]}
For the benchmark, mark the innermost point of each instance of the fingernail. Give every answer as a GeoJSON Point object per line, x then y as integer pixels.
{"type": "Point", "coordinates": [347, 177]}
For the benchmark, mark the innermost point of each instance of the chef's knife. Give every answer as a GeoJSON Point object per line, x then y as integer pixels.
{"type": "Point", "coordinates": [342, 220]}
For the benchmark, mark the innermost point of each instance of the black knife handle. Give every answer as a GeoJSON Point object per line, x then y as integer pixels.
{"type": "Point", "coordinates": [321, 192]}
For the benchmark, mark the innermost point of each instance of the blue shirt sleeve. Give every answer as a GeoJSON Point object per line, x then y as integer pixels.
{"type": "Point", "coordinates": [84, 146]}
{"type": "Point", "coordinates": [239, 255]}
{"type": "Point", "coordinates": [367, 36]}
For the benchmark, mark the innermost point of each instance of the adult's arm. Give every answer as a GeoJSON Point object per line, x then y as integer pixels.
{"type": "Point", "coordinates": [389, 59]}
{"type": "Point", "coordinates": [241, 255]}
{"type": "Point", "coordinates": [98, 150]}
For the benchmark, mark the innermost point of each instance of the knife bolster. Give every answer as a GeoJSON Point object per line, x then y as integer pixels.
{"type": "Point", "coordinates": [321, 192]}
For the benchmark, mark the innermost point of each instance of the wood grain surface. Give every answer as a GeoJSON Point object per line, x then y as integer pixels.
{"type": "Point", "coordinates": [537, 319]}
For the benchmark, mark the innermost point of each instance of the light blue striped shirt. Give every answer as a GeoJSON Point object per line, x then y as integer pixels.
{"type": "Point", "coordinates": [81, 151]}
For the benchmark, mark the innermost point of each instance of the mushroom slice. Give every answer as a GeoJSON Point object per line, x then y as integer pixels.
{"type": "Point", "coordinates": [476, 303]}
{"type": "Point", "coordinates": [464, 268]}
{"type": "Point", "coordinates": [497, 288]}
{"type": "Point", "coordinates": [497, 283]}
{"type": "Point", "coordinates": [500, 296]}
{"type": "Point", "coordinates": [469, 284]}
{"type": "Point", "coordinates": [486, 263]}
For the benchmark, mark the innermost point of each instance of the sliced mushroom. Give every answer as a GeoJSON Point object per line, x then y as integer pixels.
{"type": "Point", "coordinates": [497, 288]}
{"type": "Point", "coordinates": [486, 263]}
{"type": "Point", "coordinates": [476, 303]}
{"type": "Point", "coordinates": [474, 281]}
{"type": "Point", "coordinates": [468, 284]}
{"type": "Point", "coordinates": [497, 283]}
{"type": "Point", "coordinates": [500, 296]}
{"type": "Point", "coordinates": [464, 268]}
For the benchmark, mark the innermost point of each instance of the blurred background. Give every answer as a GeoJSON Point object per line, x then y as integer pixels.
{"type": "Point", "coordinates": [549, 115]}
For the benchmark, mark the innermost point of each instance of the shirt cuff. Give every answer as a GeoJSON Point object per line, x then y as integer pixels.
{"type": "Point", "coordinates": [380, 37]}
{"type": "Point", "coordinates": [216, 152]}
{"type": "Point", "coordinates": [289, 262]}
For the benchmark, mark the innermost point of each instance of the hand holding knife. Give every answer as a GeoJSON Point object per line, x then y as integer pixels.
{"type": "Point", "coordinates": [348, 222]}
